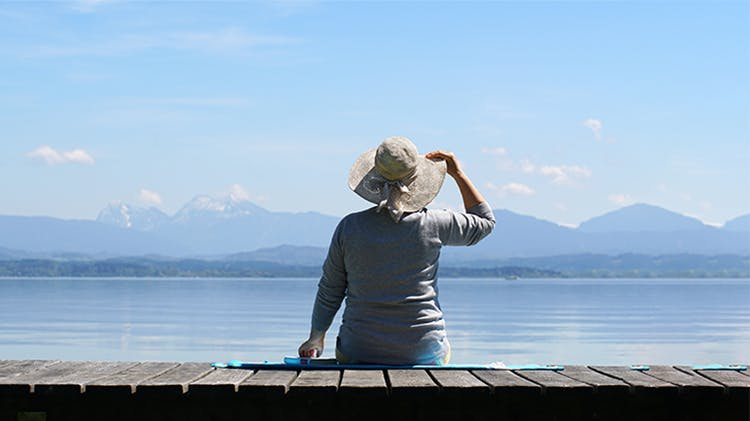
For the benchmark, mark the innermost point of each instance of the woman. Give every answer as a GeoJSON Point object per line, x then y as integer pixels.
{"type": "Point", "coordinates": [384, 260]}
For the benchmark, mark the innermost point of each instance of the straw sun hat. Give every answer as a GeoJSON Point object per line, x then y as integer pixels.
{"type": "Point", "coordinates": [394, 176]}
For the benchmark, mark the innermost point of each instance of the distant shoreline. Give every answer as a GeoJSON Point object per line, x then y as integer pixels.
{"type": "Point", "coordinates": [562, 267]}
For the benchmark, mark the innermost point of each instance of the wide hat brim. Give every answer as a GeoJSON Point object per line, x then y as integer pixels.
{"type": "Point", "coordinates": [429, 178]}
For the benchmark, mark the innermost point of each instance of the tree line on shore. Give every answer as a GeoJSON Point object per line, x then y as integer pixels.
{"type": "Point", "coordinates": [575, 266]}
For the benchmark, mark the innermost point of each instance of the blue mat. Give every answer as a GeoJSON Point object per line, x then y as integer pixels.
{"type": "Point", "coordinates": [720, 367]}
{"type": "Point", "coordinates": [293, 363]}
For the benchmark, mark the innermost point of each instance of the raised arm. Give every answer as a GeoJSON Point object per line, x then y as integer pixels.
{"type": "Point", "coordinates": [469, 193]}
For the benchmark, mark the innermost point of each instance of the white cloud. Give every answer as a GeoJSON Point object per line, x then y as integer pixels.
{"type": "Point", "coordinates": [495, 151]}
{"type": "Point", "coordinates": [563, 174]}
{"type": "Point", "coordinates": [517, 188]}
{"type": "Point", "coordinates": [595, 126]}
{"type": "Point", "coordinates": [560, 174]}
{"type": "Point", "coordinates": [512, 188]}
{"type": "Point", "coordinates": [150, 197]}
{"type": "Point", "coordinates": [620, 199]}
{"type": "Point", "coordinates": [53, 157]}
{"type": "Point", "coordinates": [238, 193]}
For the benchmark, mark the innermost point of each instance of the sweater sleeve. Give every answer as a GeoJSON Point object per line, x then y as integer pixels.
{"type": "Point", "coordinates": [466, 229]}
{"type": "Point", "coordinates": [332, 285]}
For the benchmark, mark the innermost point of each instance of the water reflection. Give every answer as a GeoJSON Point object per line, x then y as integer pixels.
{"type": "Point", "coordinates": [524, 321]}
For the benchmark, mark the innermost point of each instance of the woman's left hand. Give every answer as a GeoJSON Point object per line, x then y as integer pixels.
{"type": "Point", "coordinates": [313, 346]}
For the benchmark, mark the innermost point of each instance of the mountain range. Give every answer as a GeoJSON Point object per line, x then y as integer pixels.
{"type": "Point", "coordinates": [234, 228]}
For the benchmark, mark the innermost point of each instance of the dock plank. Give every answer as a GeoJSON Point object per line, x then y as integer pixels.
{"type": "Point", "coordinates": [728, 378]}
{"type": "Point", "coordinates": [219, 381]}
{"type": "Point", "coordinates": [601, 383]}
{"type": "Point", "coordinates": [268, 383]}
{"type": "Point", "coordinates": [554, 383]}
{"type": "Point", "coordinates": [505, 382]}
{"type": "Point", "coordinates": [13, 369]}
{"type": "Point", "coordinates": [369, 383]}
{"type": "Point", "coordinates": [687, 382]}
{"type": "Point", "coordinates": [174, 381]}
{"type": "Point", "coordinates": [460, 382]}
{"type": "Point", "coordinates": [126, 381]}
{"type": "Point", "coordinates": [12, 372]}
{"type": "Point", "coordinates": [315, 383]}
{"type": "Point", "coordinates": [644, 388]}
{"type": "Point", "coordinates": [70, 377]}
{"type": "Point", "coordinates": [411, 383]}
{"type": "Point", "coordinates": [633, 377]}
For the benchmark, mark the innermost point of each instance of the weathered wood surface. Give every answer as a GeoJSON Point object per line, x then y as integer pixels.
{"type": "Point", "coordinates": [600, 382]}
{"type": "Point", "coordinates": [11, 372]}
{"type": "Point", "coordinates": [363, 383]}
{"type": "Point", "coordinates": [553, 382]}
{"type": "Point", "coordinates": [459, 382]}
{"type": "Point", "coordinates": [578, 392]}
{"type": "Point", "coordinates": [639, 381]}
{"type": "Point", "coordinates": [687, 382]}
{"type": "Point", "coordinates": [731, 379]}
{"type": "Point", "coordinates": [126, 381]}
{"type": "Point", "coordinates": [315, 383]}
{"type": "Point", "coordinates": [411, 383]}
{"type": "Point", "coordinates": [219, 381]}
{"type": "Point", "coordinates": [507, 383]}
{"type": "Point", "coordinates": [42, 376]}
{"type": "Point", "coordinates": [174, 381]}
{"type": "Point", "coordinates": [69, 377]}
{"type": "Point", "coordinates": [268, 383]}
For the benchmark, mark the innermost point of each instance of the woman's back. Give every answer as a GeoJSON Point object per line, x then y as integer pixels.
{"type": "Point", "coordinates": [384, 260]}
{"type": "Point", "coordinates": [392, 310]}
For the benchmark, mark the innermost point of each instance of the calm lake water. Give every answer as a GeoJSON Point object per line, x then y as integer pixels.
{"type": "Point", "coordinates": [562, 321]}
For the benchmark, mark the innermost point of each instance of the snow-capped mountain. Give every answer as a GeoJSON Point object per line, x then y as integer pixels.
{"type": "Point", "coordinates": [138, 218]}
{"type": "Point", "coordinates": [222, 207]}
{"type": "Point", "coordinates": [219, 224]}
{"type": "Point", "coordinates": [212, 225]}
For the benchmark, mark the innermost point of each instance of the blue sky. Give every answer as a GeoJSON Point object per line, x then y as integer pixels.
{"type": "Point", "coordinates": [559, 110]}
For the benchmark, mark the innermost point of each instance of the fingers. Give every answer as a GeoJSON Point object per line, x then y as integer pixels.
{"type": "Point", "coordinates": [439, 154]}
{"type": "Point", "coordinates": [310, 350]}
{"type": "Point", "coordinates": [307, 352]}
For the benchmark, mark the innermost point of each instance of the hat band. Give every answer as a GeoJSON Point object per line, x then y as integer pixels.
{"type": "Point", "coordinates": [391, 191]}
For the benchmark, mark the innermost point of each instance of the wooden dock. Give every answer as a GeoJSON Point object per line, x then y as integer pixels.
{"type": "Point", "coordinates": [63, 390]}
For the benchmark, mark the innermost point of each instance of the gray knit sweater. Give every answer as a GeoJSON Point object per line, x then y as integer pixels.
{"type": "Point", "coordinates": [388, 273]}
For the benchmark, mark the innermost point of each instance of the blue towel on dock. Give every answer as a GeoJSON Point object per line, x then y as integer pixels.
{"type": "Point", "coordinates": [293, 363]}
{"type": "Point", "coordinates": [720, 367]}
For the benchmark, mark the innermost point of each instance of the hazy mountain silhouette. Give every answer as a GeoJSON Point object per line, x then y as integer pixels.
{"type": "Point", "coordinates": [224, 225]}
{"type": "Point", "coordinates": [740, 223]}
{"type": "Point", "coordinates": [641, 218]}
